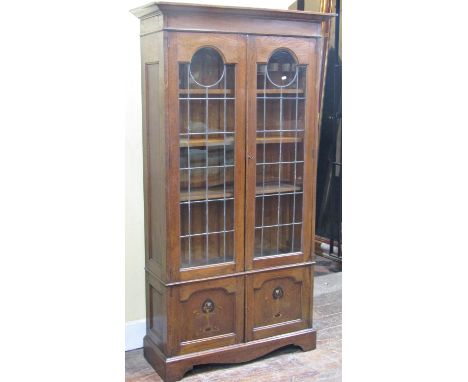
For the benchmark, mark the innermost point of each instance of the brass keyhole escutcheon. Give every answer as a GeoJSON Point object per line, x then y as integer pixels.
{"type": "Point", "coordinates": [208, 306]}
{"type": "Point", "coordinates": [278, 293]}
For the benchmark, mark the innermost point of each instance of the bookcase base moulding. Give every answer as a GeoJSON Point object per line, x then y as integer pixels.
{"type": "Point", "coordinates": [174, 368]}
{"type": "Point", "coordinates": [231, 99]}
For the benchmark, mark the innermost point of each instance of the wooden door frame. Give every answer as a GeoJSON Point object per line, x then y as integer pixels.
{"type": "Point", "coordinates": [180, 48]}
{"type": "Point", "coordinates": [259, 49]}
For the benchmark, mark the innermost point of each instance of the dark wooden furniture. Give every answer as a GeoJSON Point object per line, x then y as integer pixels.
{"type": "Point", "coordinates": [231, 100]}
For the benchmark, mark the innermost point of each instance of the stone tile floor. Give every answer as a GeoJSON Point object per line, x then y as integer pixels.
{"type": "Point", "coordinates": [289, 364]}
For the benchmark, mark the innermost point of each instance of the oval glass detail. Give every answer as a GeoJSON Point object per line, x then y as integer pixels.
{"type": "Point", "coordinates": [207, 67]}
{"type": "Point", "coordinates": [282, 68]}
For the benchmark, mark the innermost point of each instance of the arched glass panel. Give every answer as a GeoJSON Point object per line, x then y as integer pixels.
{"type": "Point", "coordinates": [280, 155]}
{"type": "Point", "coordinates": [207, 132]}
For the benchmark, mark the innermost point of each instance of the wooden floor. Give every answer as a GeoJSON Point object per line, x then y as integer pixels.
{"type": "Point", "coordinates": [289, 364]}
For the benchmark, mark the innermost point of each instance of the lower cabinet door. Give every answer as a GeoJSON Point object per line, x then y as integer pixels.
{"type": "Point", "coordinates": [208, 314]}
{"type": "Point", "coordinates": [278, 302]}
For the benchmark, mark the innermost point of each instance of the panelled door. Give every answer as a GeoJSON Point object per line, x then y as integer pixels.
{"type": "Point", "coordinates": [281, 136]}
{"type": "Point", "coordinates": [207, 153]}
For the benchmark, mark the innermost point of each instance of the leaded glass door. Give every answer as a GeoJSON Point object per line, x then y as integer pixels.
{"type": "Point", "coordinates": [281, 136]}
{"type": "Point", "coordinates": [211, 141]}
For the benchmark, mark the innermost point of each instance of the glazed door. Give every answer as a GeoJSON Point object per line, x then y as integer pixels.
{"type": "Point", "coordinates": [209, 155]}
{"type": "Point", "coordinates": [281, 138]}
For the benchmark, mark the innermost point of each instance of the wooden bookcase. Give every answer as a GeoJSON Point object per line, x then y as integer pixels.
{"type": "Point", "coordinates": [231, 98]}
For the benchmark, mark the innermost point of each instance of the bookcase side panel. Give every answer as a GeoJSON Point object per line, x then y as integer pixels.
{"type": "Point", "coordinates": [154, 152]}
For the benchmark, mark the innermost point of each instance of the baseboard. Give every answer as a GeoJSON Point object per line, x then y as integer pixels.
{"type": "Point", "coordinates": [134, 333]}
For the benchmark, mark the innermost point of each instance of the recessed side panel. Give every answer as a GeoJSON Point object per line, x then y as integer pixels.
{"type": "Point", "coordinates": [154, 153]}
{"type": "Point", "coordinates": [156, 312]}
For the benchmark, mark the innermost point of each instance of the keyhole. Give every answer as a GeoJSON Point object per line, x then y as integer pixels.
{"type": "Point", "coordinates": [278, 293]}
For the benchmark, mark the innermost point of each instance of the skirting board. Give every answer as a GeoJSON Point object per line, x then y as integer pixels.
{"type": "Point", "coordinates": [134, 333]}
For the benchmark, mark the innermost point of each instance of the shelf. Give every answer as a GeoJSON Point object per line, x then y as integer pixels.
{"type": "Point", "coordinates": [267, 140]}
{"type": "Point", "coordinates": [201, 142]}
{"type": "Point", "coordinates": [279, 91]}
{"type": "Point", "coordinates": [203, 91]}
{"type": "Point", "coordinates": [273, 188]}
{"type": "Point", "coordinates": [201, 194]}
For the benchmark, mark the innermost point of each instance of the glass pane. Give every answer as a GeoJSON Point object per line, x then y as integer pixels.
{"type": "Point", "coordinates": [280, 155]}
{"type": "Point", "coordinates": [207, 151]}
{"type": "Point", "coordinates": [207, 67]}
{"type": "Point", "coordinates": [281, 68]}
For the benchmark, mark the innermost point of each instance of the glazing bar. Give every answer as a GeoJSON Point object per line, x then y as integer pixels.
{"type": "Point", "coordinates": [203, 201]}
{"type": "Point", "coordinates": [206, 233]}
{"type": "Point", "coordinates": [295, 169]}
{"type": "Point", "coordinates": [279, 167]}
{"type": "Point", "coordinates": [291, 98]}
{"type": "Point", "coordinates": [292, 162]}
{"type": "Point", "coordinates": [206, 167]}
{"type": "Point", "coordinates": [206, 176]}
{"type": "Point", "coordinates": [211, 98]}
{"type": "Point", "coordinates": [278, 131]}
{"type": "Point", "coordinates": [224, 171]}
{"type": "Point", "coordinates": [278, 193]}
{"type": "Point", "coordinates": [279, 225]}
{"type": "Point", "coordinates": [211, 133]}
{"type": "Point", "coordinates": [189, 172]}
{"type": "Point", "coordinates": [263, 169]}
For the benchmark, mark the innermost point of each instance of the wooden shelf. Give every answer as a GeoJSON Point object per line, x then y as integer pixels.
{"type": "Point", "coordinates": [273, 188]}
{"type": "Point", "coordinates": [200, 194]}
{"type": "Point", "coordinates": [278, 91]}
{"type": "Point", "coordinates": [200, 142]}
{"type": "Point", "coordinates": [267, 140]}
{"type": "Point", "coordinates": [203, 91]}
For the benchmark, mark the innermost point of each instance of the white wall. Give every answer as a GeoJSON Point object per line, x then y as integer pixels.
{"type": "Point", "coordinates": [134, 234]}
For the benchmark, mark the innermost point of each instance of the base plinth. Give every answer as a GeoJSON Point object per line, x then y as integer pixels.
{"type": "Point", "coordinates": [173, 368]}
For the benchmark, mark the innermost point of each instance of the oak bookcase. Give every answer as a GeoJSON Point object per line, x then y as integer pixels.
{"type": "Point", "coordinates": [231, 100]}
